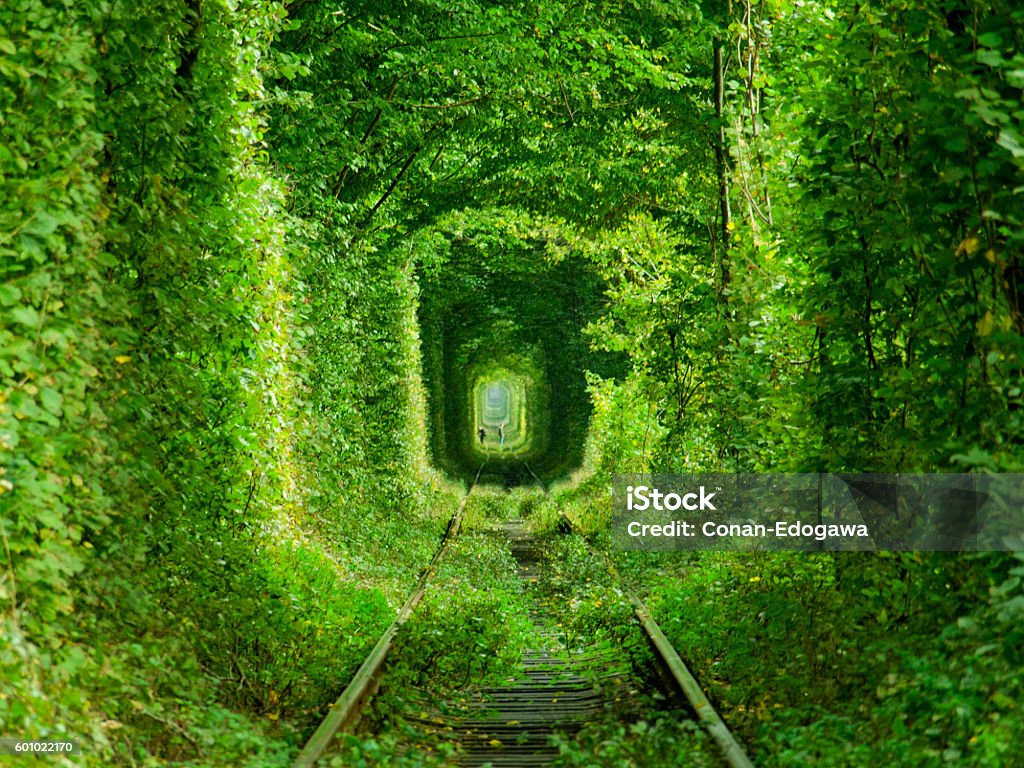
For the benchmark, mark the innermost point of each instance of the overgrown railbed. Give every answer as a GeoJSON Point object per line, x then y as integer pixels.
{"type": "Point", "coordinates": [469, 631]}
{"type": "Point", "coordinates": [836, 658]}
{"type": "Point", "coordinates": [596, 616]}
{"type": "Point", "coordinates": [462, 644]}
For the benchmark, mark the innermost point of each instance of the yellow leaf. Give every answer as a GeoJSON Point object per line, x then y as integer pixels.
{"type": "Point", "coordinates": [494, 743]}
{"type": "Point", "coordinates": [122, 359]}
{"type": "Point", "coordinates": [986, 324]}
{"type": "Point", "coordinates": [969, 246]}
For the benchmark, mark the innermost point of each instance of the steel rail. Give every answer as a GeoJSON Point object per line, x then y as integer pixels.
{"type": "Point", "coordinates": [715, 726]}
{"type": "Point", "coordinates": [731, 749]}
{"type": "Point", "coordinates": [347, 709]}
{"type": "Point", "coordinates": [539, 481]}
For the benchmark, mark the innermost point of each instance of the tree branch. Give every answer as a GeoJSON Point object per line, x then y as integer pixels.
{"type": "Point", "coordinates": [466, 103]}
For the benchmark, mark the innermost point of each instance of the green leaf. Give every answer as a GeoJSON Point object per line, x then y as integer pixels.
{"type": "Point", "coordinates": [990, 40]}
{"type": "Point", "coordinates": [42, 224]}
{"type": "Point", "coordinates": [52, 401]}
{"type": "Point", "coordinates": [9, 295]}
{"type": "Point", "coordinates": [26, 316]}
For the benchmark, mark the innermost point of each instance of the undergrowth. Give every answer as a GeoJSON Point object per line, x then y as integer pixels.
{"type": "Point", "coordinates": [838, 660]}
{"type": "Point", "coordinates": [470, 630]}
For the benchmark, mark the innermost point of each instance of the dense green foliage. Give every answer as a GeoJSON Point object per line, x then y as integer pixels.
{"type": "Point", "coordinates": [194, 522]}
{"type": "Point", "coordinates": [867, 318]}
{"type": "Point", "coordinates": [225, 225]}
{"type": "Point", "coordinates": [888, 656]}
{"type": "Point", "coordinates": [491, 300]}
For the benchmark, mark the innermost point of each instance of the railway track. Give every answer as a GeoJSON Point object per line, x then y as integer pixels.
{"type": "Point", "coordinates": [561, 686]}
{"type": "Point", "coordinates": [556, 692]}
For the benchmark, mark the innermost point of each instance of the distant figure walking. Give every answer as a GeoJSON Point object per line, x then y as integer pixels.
{"type": "Point", "coordinates": [481, 433]}
{"type": "Point", "coordinates": [501, 433]}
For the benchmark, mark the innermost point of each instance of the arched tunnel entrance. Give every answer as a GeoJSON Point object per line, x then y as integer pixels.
{"type": "Point", "coordinates": [505, 359]}
{"type": "Point", "coordinates": [499, 412]}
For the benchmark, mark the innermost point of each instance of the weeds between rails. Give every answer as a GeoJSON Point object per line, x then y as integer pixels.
{"type": "Point", "coordinates": [512, 623]}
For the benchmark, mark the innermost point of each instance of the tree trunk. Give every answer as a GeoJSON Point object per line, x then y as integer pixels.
{"type": "Point", "coordinates": [721, 164]}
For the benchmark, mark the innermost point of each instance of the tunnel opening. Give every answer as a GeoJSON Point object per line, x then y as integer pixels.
{"type": "Point", "coordinates": [499, 415]}
{"type": "Point", "coordinates": [506, 357]}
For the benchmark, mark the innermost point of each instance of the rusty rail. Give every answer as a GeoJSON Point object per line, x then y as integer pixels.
{"type": "Point", "coordinates": [681, 675]}
{"type": "Point", "coordinates": [346, 711]}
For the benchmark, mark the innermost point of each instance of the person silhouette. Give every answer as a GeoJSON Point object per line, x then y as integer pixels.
{"type": "Point", "coordinates": [501, 433]}
{"type": "Point", "coordinates": [481, 433]}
